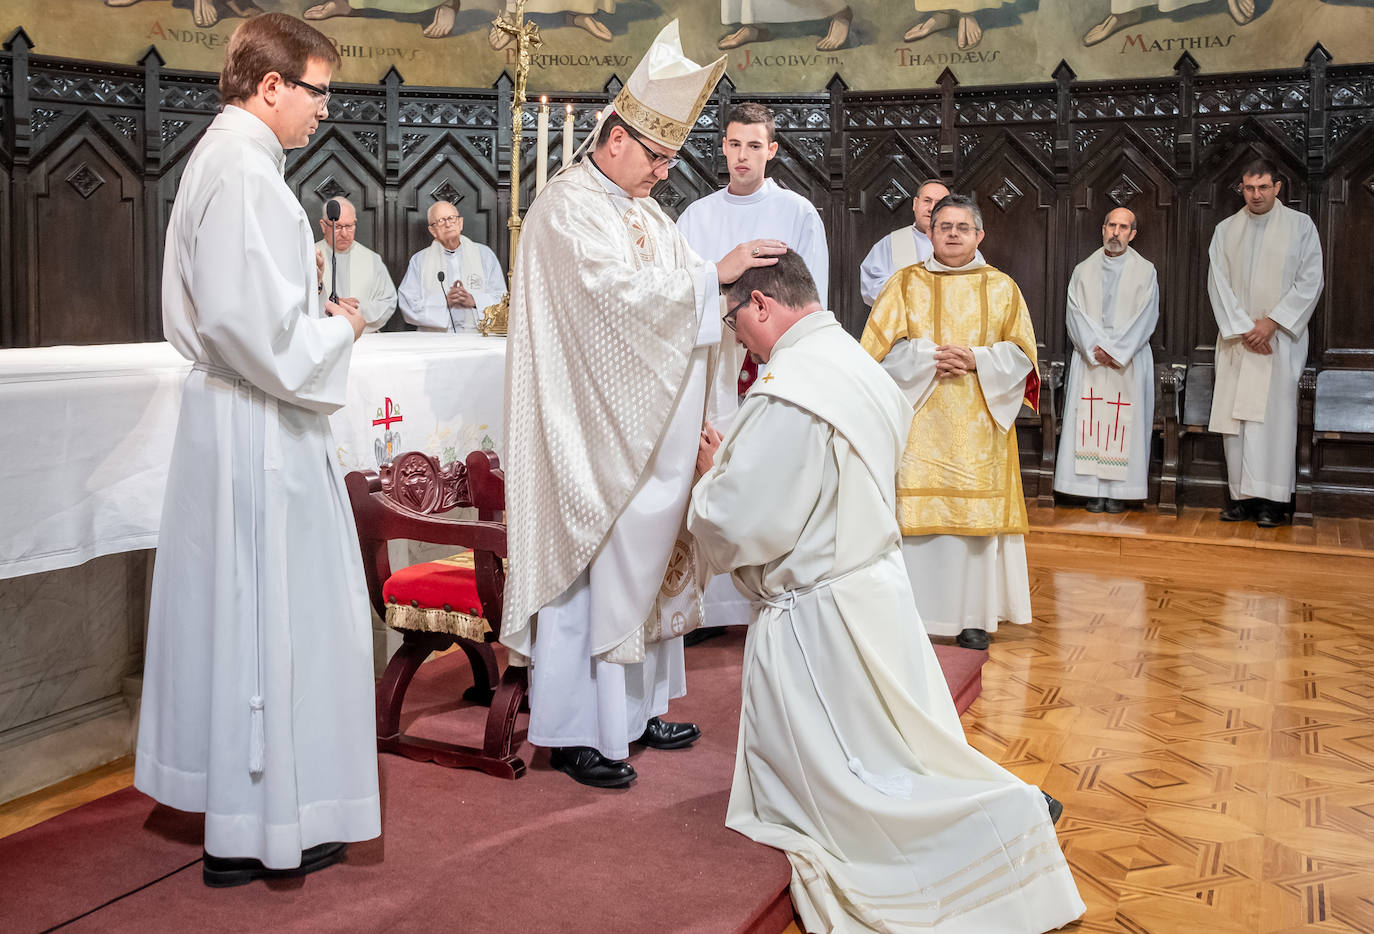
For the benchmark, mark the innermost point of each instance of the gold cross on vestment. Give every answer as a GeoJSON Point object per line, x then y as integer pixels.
{"type": "Point", "coordinates": [767, 378]}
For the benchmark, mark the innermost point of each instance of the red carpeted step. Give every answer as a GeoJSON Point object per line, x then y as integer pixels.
{"type": "Point", "coordinates": [461, 850]}
{"type": "Point", "coordinates": [963, 670]}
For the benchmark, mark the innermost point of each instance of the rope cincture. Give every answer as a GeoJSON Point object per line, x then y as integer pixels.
{"type": "Point", "coordinates": [898, 784]}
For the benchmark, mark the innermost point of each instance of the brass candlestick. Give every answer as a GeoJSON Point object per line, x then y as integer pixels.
{"type": "Point", "coordinates": [527, 39]}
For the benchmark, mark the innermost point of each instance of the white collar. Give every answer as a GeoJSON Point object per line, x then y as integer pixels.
{"type": "Point", "coordinates": [765, 190]}
{"type": "Point", "coordinates": [237, 120]}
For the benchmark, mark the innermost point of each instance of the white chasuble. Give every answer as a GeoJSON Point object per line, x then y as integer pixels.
{"type": "Point", "coordinates": [257, 693]}
{"type": "Point", "coordinates": [614, 324]}
{"type": "Point", "coordinates": [1268, 265]}
{"type": "Point", "coordinates": [1113, 303]}
{"type": "Point", "coordinates": [850, 755]}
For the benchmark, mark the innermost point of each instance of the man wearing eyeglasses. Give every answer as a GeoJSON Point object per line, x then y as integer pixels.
{"type": "Point", "coordinates": [361, 274]}
{"type": "Point", "coordinates": [258, 703]}
{"type": "Point", "coordinates": [612, 365]}
{"type": "Point", "coordinates": [850, 756]}
{"type": "Point", "coordinates": [451, 282]}
{"type": "Point", "coordinates": [1264, 277]}
{"type": "Point", "coordinates": [956, 335]}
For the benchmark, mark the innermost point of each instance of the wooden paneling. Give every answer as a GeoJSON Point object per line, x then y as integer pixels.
{"type": "Point", "coordinates": [1044, 160]}
{"type": "Point", "coordinates": [84, 245]}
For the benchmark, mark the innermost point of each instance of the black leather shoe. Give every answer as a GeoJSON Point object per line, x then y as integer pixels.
{"type": "Point", "coordinates": [222, 872]}
{"type": "Point", "coordinates": [1095, 505]}
{"type": "Point", "coordinates": [1270, 515]}
{"type": "Point", "coordinates": [1235, 511]}
{"type": "Point", "coordinates": [973, 639]}
{"type": "Point", "coordinates": [1055, 805]}
{"type": "Point", "coordinates": [590, 767]}
{"type": "Point", "coordinates": [660, 734]}
{"type": "Point", "coordinates": [1115, 506]}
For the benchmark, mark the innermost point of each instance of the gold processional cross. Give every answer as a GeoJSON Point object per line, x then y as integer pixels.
{"type": "Point", "coordinates": [526, 38]}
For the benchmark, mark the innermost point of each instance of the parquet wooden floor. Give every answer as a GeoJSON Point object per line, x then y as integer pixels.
{"type": "Point", "coordinates": [1210, 730]}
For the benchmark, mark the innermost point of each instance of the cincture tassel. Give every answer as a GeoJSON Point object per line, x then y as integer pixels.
{"type": "Point", "coordinates": [257, 737]}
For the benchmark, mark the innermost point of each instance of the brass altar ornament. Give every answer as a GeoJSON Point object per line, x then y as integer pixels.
{"type": "Point", "coordinates": [494, 318]}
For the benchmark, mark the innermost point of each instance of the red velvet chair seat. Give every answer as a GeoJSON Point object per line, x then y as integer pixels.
{"type": "Point", "coordinates": [436, 596]}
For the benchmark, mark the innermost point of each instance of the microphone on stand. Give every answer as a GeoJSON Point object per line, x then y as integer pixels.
{"type": "Point", "coordinates": [444, 294]}
{"type": "Point", "coordinates": [331, 211]}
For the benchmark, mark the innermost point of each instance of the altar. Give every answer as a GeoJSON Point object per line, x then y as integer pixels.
{"type": "Point", "coordinates": [88, 436]}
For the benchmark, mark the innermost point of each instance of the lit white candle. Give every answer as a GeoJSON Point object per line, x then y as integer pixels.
{"type": "Point", "coordinates": [567, 134]}
{"type": "Point", "coordinates": [541, 147]}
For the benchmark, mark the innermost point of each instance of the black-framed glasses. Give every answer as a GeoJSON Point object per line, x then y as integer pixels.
{"type": "Point", "coordinates": [322, 93]}
{"type": "Point", "coordinates": [656, 160]}
{"type": "Point", "coordinates": [728, 319]}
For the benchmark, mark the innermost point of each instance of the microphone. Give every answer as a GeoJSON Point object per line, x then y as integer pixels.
{"type": "Point", "coordinates": [443, 294]}
{"type": "Point", "coordinates": [331, 211]}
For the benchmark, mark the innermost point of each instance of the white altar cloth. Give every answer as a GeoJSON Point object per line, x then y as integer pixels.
{"type": "Point", "coordinates": [88, 432]}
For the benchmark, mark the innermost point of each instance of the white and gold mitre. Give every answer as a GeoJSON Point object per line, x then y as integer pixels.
{"type": "Point", "coordinates": [667, 90]}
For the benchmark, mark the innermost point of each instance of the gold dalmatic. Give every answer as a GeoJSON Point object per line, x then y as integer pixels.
{"type": "Point", "coordinates": [960, 473]}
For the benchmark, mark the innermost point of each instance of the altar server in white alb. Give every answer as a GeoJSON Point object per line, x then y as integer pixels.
{"type": "Point", "coordinates": [850, 755]}
{"type": "Point", "coordinates": [753, 206]}
{"type": "Point", "coordinates": [450, 283]}
{"type": "Point", "coordinates": [257, 685]}
{"type": "Point", "coordinates": [361, 274]}
{"type": "Point", "coordinates": [905, 246]}
{"type": "Point", "coordinates": [1264, 278]}
{"type": "Point", "coordinates": [1109, 409]}
{"type": "Point", "coordinates": [750, 207]}
{"type": "Point", "coordinates": [615, 334]}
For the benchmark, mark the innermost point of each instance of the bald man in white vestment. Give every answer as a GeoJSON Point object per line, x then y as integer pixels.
{"type": "Point", "coordinates": [361, 274]}
{"type": "Point", "coordinates": [850, 756]}
{"type": "Point", "coordinates": [1109, 406]}
{"type": "Point", "coordinates": [450, 283]}
{"type": "Point", "coordinates": [614, 335]}
{"type": "Point", "coordinates": [1264, 277]}
{"type": "Point", "coordinates": [257, 688]}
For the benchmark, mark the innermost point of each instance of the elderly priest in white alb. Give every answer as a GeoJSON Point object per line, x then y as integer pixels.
{"type": "Point", "coordinates": [257, 687]}
{"type": "Point", "coordinates": [615, 332]}
{"type": "Point", "coordinates": [1113, 307]}
{"type": "Point", "coordinates": [1264, 278]}
{"type": "Point", "coordinates": [361, 274]}
{"type": "Point", "coordinates": [451, 282]}
{"type": "Point", "coordinates": [850, 755]}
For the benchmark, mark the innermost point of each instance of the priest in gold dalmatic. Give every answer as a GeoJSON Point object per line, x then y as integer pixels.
{"type": "Point", "coordinates": [956, 336]}
{"type": "Point", "coordinates": [613, 363]}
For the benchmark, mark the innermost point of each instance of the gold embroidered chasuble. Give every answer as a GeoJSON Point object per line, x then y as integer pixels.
{"type": "Point", "coordinates": [960, 473]}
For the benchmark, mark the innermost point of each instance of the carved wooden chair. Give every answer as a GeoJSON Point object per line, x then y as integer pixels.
{"type": "Point", "coordinates": [439, 604]}
{"type": "Point", "coordinates": [1169, 380]}
{"type": "Point", "coordinates": [1045, 422]}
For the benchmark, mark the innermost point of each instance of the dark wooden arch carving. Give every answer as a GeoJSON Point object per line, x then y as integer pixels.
{"type": "Point", "coordinates": [1018, 201]}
